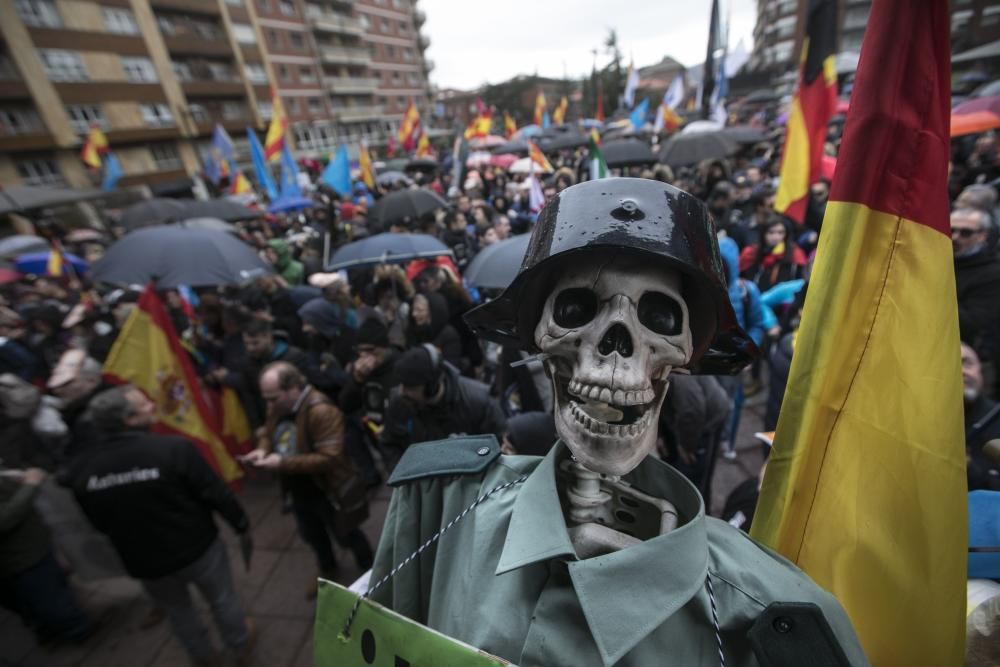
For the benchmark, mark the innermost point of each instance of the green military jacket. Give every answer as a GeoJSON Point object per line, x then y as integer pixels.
{"type": "Point", "coordinates": [506, 579]}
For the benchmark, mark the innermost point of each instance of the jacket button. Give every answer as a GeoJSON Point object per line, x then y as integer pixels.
{"type": "Point", "coordinates": [783, 624]}
{"type": "Point", "coordinates": [483, 451]}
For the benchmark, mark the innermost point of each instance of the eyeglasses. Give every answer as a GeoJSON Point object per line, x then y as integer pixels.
{"type": "Point", "coordinates": [965, 233]}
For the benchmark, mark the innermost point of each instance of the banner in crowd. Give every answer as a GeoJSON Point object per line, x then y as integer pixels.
{"type": "Point", "coordinates": [865, 488]}
{"type": "Point", "coordinates": [148, 354]}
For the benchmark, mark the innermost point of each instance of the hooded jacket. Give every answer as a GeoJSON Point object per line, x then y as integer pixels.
{"type": "Point", "coordinates": [743, 294]}
{"type": "Point", "coordinates": [288, 268]}
{"type": "Point", "coordinates": [439, 332]}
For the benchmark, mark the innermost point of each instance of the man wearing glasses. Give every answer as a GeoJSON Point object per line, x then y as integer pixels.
{"type": "Point", "coordinates": [977, 279]}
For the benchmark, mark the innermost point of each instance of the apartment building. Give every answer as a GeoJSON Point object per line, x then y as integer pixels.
{"type": "Point", "coordinates": [780, 28]}
{"type": "Point", "coordinates": [155, 75]}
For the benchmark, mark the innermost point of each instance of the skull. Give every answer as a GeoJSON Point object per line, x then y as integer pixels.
{"type": "Point", "coordinates": [612, 331]}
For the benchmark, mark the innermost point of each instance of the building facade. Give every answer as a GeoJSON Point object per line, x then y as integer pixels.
{"type": "Point", "coordinates": [158, 75]}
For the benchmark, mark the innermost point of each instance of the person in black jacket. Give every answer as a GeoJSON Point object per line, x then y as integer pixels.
{"type": "Point", "coordinates": [154, 497]}
{"type": "Point", "coordinates": [977, 281]}
{"type": "Point", "coordinates": [429, 324]}
{"type": "Point", "coordinates": [982, 424]}
{"type": "Point", "coordinates": [433, 402]}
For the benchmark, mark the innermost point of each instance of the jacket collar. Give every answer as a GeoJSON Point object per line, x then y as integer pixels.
{"type": "Point", "coordinates": [644, 584]}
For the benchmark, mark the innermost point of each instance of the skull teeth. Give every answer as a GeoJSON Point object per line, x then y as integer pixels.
{"type": "Point", "coordinates": [604, 428]}
{"type": "Point", "coordinates": [610, 396]}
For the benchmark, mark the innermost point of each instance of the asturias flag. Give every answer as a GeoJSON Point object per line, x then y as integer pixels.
{"type": "Point", "coordinates": [813, 105]}
{"type": "Point", "coordinates": [338, 173]}
{"type": "Point", "coordinates": [866, 486]}
{"type": "Point", "coordinates": [260, 168]}
{"type": "Point", "coordinates": [276, 131]}
{"type": "Point", "coordinates": [148, 354]}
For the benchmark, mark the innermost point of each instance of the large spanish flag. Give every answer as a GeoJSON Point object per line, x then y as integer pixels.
{"type": "Point", "coordinates": [277, 131]}
{"type": "Point", "coordinates": [409, 127]}
{"type": "Point", "coordinates": [148, 354]}
{"type": "Point", "coordinates": [812, 107]}
{"type": "Point", "coordinates": [866, 487]}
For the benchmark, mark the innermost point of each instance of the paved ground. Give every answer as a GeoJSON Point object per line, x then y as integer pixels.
{"type": "Point", "coordinates": [273, 590]}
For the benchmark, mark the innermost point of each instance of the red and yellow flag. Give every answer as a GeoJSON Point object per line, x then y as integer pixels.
{"type": "Point", "coordinates": [539, 108]}
{"type": "Point", "coordinates": [559, 113]}
{"type": "Point", "coordinates": [239, 184]}
{"type": "Point", "coordinates": [148, 354]}
{"type": "Point", "coordinates": [365, 166]}
{"type": "Point", "coordinates": [424, 146]}
{"type": "Point", "coordinates": [277, 130]}
{"type": "Point", "coordinates": [866, 486]}
{"type": "Point", "coordinates": [482, 124]}
{"type": "Point", "coordinates": [813, 105]}
{"type": "Point", "coordinates": [671, 120]}
{"type": "Point", "coordinates": [409, 128]}
{"type": "Point", "coordinates": [509, 126]}
{"type": "Point", "coordinates": [538, 157]}
{"type": "Point", "coordinates": [95, 146]}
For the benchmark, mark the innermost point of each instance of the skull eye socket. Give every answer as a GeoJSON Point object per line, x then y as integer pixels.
{"type": "Point", "coordinates": [574, 307]}
{"type": "Point", "coordinates": [660, 314]}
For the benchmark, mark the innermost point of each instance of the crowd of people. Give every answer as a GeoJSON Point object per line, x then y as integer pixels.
{"type": "Point", "coordinates": [339, 372]}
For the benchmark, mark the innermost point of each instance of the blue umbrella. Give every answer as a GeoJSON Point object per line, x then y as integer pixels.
{"type": "Point", "coordinates": [387, 248]}
{"type": "Point", "coordinates": [290, 204]}
{"type": "Point", "coordinates": [38, 263]}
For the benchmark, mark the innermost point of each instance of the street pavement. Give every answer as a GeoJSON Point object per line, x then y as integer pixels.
{"type": "Point", "coordinates": [273, 590]}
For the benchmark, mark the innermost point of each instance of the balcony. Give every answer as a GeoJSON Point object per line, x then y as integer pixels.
{"type": "Point", "coordinates": [213, 88]}
{"type": "Point", "coordinates": [323, 21]}
{"type": "Point", "coordinates": [419, 17]}
{"type": "Point", "coordinates": [350, 85]}
{"type": "Point", "coordinates": [345, 55]}
{"type": "Point", "coordinates": [194, 6]}
{"type": "Point", "coordinates": [195, 43]}
{"type": "Point", "coordinates": [357, 114]}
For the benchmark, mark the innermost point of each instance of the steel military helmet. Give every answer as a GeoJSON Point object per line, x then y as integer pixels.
{"type": "Point", "coordinates": [632, 215]}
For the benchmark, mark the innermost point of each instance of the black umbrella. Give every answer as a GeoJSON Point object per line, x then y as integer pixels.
{"type": "Point", "coordinates": [174, 255]}
{"type": "Point", "coordinates": [516, 146]}
{"type": "Point", "coordinates": [21, 244]}
{"type": "Point", "coordinates": [744, 134]}
{"type": "Point", "coordinates": [496, 265]}
{"type": "Point", "coordinates": [398, 206]}
{"type": "Point", "coordinates": [421, 164]}
{"type": "Point", "coordinates": [150, 212]}
{"type": "Point", "coordinates": [564, 141]}
{"type": "Point", "coordinates": [762, 96]}
{"type": "Point", "coordinates": [387, 248]}
{"type": "Point", "coordinates": [30, 197]}
{"type": "Point", "coordinates": [387, 179]}
{"type": "Point", "coordinates": [627, 152]}
{"type": "Point", "coordinates": [220, 209]}
{"type": "Point", "coordinates": [686, 149]}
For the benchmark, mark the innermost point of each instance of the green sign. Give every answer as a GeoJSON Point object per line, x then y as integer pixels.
{"type": "Point", "coordinates": [382, 638]}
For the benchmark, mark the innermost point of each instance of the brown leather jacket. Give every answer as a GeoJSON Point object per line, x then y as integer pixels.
{"type": "Point", "coordinates": [319, 426]}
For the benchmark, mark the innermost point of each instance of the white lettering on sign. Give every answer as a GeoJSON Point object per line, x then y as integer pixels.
{"type": "Point", "coordinates": [121, 478]}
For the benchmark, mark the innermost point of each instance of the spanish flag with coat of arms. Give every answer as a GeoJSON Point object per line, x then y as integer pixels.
{"type": "Point", "coordinates": [865, 489]}
{"type": "Point", "coordinates": [148, 354]}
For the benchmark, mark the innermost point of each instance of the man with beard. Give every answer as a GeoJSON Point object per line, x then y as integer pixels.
{"type": "Point", "coordinates": [982, 424]}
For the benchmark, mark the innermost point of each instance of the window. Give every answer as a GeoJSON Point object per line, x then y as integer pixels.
{"type": "Point", "coordinates": [286, 8]}
{"type": "Point", "coordinates": [396, 78]}
{"type": "Point", "coordinates": [265, 109]}
{"type": "Point", "coordinates": [407, 54]}
{"type": "Point", "coordinates": [384, 25]}
{"type": "Point", "coordinates": [398, 4]}
{"type": "Point", "coordinates": [990, 16]}
{"type": "Point", "coordinates": [182, 71]}
{"type": "Point", "coordinates": [298, 42]}
{"type": "Point", "coordinates": [307, 75]}
{"type": "Point", "coordinates": [167, 25]}
{"type": "Point", "coordinates": [235, 3]}
{"type": "Point", "coordinates": [292, 105]}
{"type": "Point", "coordinates": [401, 102]}
{"type": "Point", "coordinates": [139, 70]}
{"type": "Point", "coordinates": [165, 156]}
{"type": "Point", "coordinates": [120, 21]}
{"type": "Point", "coordinates": [412, 78]}
{"type": "Point", "coordinates": [273, 38]}
{"type": "Point", "coordinates": [315, 105]}
{"type": "Point", "coordinates": [363, 20]}
{"type": "Point", "coordinates": [39, 13]}
{"type": "Point", "coordinates": [39, 172]}
{"type": "Point", "coordinates": [82, 116]}
{"type": "Point", "coordinates": [244, 34]}
{"type": "Point", "coordinates": [233, 110]}
{"type": "Point", "coordinates": [403, 27]}
{"type": "Point", "coordinates": [221, 72]}
{"type": "Point", "coordinates": [960, 20]}
{"type": "Point", "coordinates": [199, 113]}
{"type": "Point", "coordinates": [63, 65]}
{"type": "Point", "coordinates": [8, 71]}
{"type": "Point", "coordinates": [263, 5]}
{"type": "Point", "coordinates": [157, 115]}
{"type": "Point", "coordinates": [390, 51]}
{"type": "Point", "coordinates": [19, 120]}
{"type": "Point", "coordinates": [206, 30]}
{"type": "Point", "coordinates": [255, 72]}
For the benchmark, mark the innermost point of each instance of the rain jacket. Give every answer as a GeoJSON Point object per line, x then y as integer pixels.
{"type": "Point", "coordinates": [287, 267]}
{"type": "Point", "coordinates": [744, 294]}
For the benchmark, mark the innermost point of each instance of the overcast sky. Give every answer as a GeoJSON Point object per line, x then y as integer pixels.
{"type": "Point", "coordinates": [487, 42]}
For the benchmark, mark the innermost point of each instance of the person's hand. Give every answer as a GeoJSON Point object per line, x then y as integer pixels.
{"type": "Point", "coordinates": [774, 332]}
{"type": "Point", "coordinates": [33, 476]}
{"type": "Point", "coordinates": [253, 456]}
{"type": "Point", "coordinates": [269, 462]}
{"type": "Point", "coordinates": [363, 368]}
